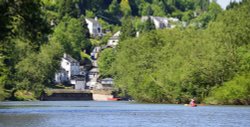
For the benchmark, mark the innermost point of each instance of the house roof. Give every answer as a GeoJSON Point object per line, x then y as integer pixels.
{"type": "Point", "coordinates": [157, 18]}
{"type": "Point", "coordinates": [95, 22]}
{"type": "Point", "coordinates": [107, 79]}
{"type": "Point", "coordinates": [94, 70]}
{"type": "Point", "coordinates": [69, 58]}
{"type": "Point", "coordinates": [78, 77]}
{"type": "Point", "coordinates": [160, 19]}
{"type": "Point", "coordinates": [97, 49]}
{"type": "Point", "coordinates": [115, 36]}
{"type": "Point", "coordinates": [61, 70]}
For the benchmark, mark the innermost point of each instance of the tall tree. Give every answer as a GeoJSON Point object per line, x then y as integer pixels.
{"type": "Point", "coordinates": [27, 20]}
{"type": "Point", "coordinates": [148, 25]}
{"type": "Point", "coordinates": [69, 7]}
{"type": "Point", "coordinates": [125, 7]}
{"type": "Point", "coordinates": [107, 57]}
{"type": "Point", "coordinates": [176, 65]}
{"type": "Point", "coordinates": [21, 21]}
{"type": "Point", "coordinates": [71, 33]}
{"type": "Point", "coordinates": [213, 10]}
{"type": "Point", "coordinates": [37, 70]}
{"type": "Point", "coordinates": [127, 30]}
{"type": "Point", "coordinates": [114, 8]}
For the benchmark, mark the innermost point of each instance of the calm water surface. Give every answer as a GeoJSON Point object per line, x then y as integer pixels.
{"type": "Point", "coordinates": [119, 114]}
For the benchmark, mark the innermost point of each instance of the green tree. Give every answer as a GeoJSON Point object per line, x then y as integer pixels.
{"type": "Point", "coordinates": [107, 57]}
{"type": "Point", "coordinates": [125, 7]}
{"type": "Point", "coordinates": [160, 67]}
{"type": "Point", "coordinates": [203, 4]}
{"type": "Point", "coordinates": [148, 25]}
{"type": "Point", "coordinates": [114, 8]}
{"type": "Point", "coordinates": [127, 29]}
{"type": "Point", "coordinates": [213, 10]}
{"type": "Point", "coordinates": [21, 22]}
{"type": "Point", "coordinates": [37, 70]}
{"type": "Point", "coordinates": [235, 91]}
{"type": "Point", "coordinates": [71, 33]}
{"type": "Point", "coordinates": [69, 7]}
{"type": "Point", "coordinates": [4, 20]}
{"type": "Point", "coordinates": [84, 25]}
{"type": "Point", "coordinates": [29, 23]}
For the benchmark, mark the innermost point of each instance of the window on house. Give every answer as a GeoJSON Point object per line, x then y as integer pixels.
{"type": "Point", "coordinates": [99, 30]}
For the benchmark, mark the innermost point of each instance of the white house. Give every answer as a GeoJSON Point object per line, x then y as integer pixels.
{"type": "Point", "coordinates": [71, 72]}
{"type": "Point", "coordinates": [93, 75]}
{"type": "Point", "coordinates": [160, 22]}
{"type": "Point", "coordinates": [79, 81]}
{"type": "Point", "coordinates": [95, 52]}
{"type": "Point", "coordinates": [69, 67]}
{"type": "Point", "coordinates": [113, 41]}
{"type": "Point", "coordinates": [95, 29]}
{"type": "Point", "coordinates": [61, 76]}
{"type": "Point", "coordinates": [107, 82]}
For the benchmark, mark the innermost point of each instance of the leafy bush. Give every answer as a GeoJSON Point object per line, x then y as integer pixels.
{"type": "Point", "coordinates": [236, 91]}
{"type": "Point", "coordinates": [23, 95]}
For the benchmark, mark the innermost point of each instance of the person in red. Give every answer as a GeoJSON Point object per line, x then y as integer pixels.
{"type": "Point", "coordinates": [192, 103]}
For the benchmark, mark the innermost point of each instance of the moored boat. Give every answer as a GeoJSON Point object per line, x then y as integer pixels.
{"type": "Point", "coordinates": [113, 99]}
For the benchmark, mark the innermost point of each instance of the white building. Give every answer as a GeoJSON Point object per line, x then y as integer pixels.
{"type": "Point", "coordinates": [95, 29]}
{"type": "Point", "coordinates": [61, 76]}
{"type": "Point", "coordinates": [113, 41]}
{"type": "Point", "coordinates": [69, 67]}
{"type": "Point", "coordinates": [71, 72]}
{"type": "Point", "coordinates": [79, 81]}
{"type": "Point", "coordinates": [160, 22]}
{"type": "Point", "coordinates": [93, 75]}
{"type": "Point", "coordinates": [95, 52]}
{"type": "Point", "coordinates": [107, 82]}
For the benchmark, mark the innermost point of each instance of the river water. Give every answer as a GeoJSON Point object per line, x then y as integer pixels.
{"type": "Point", "coordinates": [119, 114]}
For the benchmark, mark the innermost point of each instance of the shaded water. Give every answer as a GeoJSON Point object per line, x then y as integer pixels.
{"type": "Point", "coordinates": [119, 114]}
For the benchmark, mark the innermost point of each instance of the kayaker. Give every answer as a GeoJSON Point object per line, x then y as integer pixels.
{"type": "Point", "coordinates": [192, 103]}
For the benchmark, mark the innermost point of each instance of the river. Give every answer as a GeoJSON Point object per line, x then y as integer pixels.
{"type": "Point", "coordinates": [119, 114]}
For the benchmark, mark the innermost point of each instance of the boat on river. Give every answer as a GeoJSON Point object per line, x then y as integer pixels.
{"type": "Point", "coordinates": [189, 105]}
{"type": "Point", "coordinates": [113, 99]}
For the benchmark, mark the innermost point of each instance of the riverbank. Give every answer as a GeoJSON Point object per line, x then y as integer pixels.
{"type": "Point", "coordinates": [72, 94]}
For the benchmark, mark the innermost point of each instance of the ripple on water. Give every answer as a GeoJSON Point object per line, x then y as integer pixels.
{"type": "Point", "coordinates": [119, 114]}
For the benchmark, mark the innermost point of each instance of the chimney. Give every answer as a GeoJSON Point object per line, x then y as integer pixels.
{"type": "Point", "coordinates": [96, 19]}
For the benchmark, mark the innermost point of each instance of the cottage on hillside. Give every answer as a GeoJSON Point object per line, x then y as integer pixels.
{"type": "Point", "coordinates": [79, 82]}
{"type": "Point", "coordinates": [113, 41]}
{"type": "Point", "coordinates": [95, 29]}
{"type": "Point", "coordinates": [93, 75]}
{"type": "Point", "coordinates": [160, 22]}
{"type": "Point", "coordinates": [107, 83]}
{"type": "Point", "coordinates": [61, 76]}
{"type": "Point", "coordinates": [69, 67]}
{"type": "Point", "coordinates": [71, 73]}
{"type": "Point", "coordinates": [95, 52]}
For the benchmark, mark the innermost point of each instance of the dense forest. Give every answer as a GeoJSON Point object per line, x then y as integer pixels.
{"type": "Point", "coordinates": [208, 59]}
{"type": "Point", "coordinates": [171, 66]}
